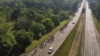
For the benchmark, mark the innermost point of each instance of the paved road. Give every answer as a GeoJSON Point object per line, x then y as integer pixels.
{"type": "Point", "coordinates": [91, 46]}
{"type": "Point", "coordinates": [77, 40]}
{"type": "Point", "coordinates": [59, 37]}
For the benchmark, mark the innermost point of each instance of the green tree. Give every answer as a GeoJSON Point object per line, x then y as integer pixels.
{"type": "Point", "coordinates": [23, 37]}
{"type": "Point", "coordinates": [33, 15]}
{"type": "Point", "coordinates": [38, 29]}
{"type": "Point", "coordinates": [20, 10]}
{"type": "Point", "coordinates": [22, 23]}
{"type": "Point", "coordinates": [48, 24]}
{"type": "Point", "coordinates": [63, 16]}
{"type": "Point", "coordinates": [74, 6]}
{"type": "Point", "coordinates": [7, 40]}
{"type": "Point", "coordinates": [98, 10]}
{"type": "Point", "coordinates": [10, 39]}
{"type": "Point", "coordinates": [49, 13]}
{"type": "Point", "coordinates": [3, 28]}
{"type": "Point", "coordinates": [56, 20]}
{"type": "Point", "coordinates": [38, 17]}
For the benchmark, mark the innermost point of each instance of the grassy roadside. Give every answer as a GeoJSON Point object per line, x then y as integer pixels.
{"type": "Point", "coordinates": [80, 49]}
{"type": "Point", "coordinates": [65, 47]}
{"type": "Point", "coordinates": [97, 24]}
{"type": "Point", "coordinates": [36, 43]}
{"type": "Point", "coordinates": [81, 44]}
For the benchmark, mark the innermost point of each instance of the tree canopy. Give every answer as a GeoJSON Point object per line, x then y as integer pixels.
{"type": "Point", "coordinates": [23, 21]}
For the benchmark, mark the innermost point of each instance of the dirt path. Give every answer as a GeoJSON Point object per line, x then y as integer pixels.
{"type": "Point", "coordinates": [76, 43]}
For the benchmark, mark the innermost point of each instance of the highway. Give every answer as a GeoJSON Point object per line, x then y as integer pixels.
{"type": "Point", "coordinates": [91, 47]}
{"type": "Point", "coordinates": [59, 37]}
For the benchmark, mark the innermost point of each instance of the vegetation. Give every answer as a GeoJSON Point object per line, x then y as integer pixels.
{"type": "Point", "coordinates": [24, 21]}
{"type": "Point", "coordinates": [95, 6]}
{"type": "Point", "coordinates": [65, 47]}
{"type": "Point", "coordinates": [35, 43]}
{"type": "Point", "coordinates": [97, 24]}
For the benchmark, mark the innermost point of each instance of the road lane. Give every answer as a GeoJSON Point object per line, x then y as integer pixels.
{"type": "Point", "coordinates": [91, 46]}
{"type": "Point", "coordinates": [59, 37]}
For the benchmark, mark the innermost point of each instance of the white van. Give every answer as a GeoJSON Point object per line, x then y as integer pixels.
{"type": "Point", "coordinates": [50, 50]}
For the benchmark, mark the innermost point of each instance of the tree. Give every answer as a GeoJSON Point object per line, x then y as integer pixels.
{"type": "Point", "coordinates": [56, 10]}
{"type": "Point", "coordinates": [74, 6]}
{"type": "Point", "coordinates": [22, 23]}
{"type": "Point", "coordinates": [7, 40]}
{"type": "Point", "coordinates": [38, 29]}
{"type": "Point", "coordinates": [48, 24]}
{"type": "Point", "coordinates": [20, 10]}
{"type": "Point", "coordinates": [33, 15]}
{"type": "Point", "coordinates": [10, 39]}
{"type": "Point", "coordinates": [38, 17]}
{"type": "Point", "coordinates": [23, 37]}
{"type": "Point", "coordinates": [56, 20]}
{"type": "Point", "coordinates": [98, 10]}
{"type": "Point", "coordinates": [31, 19]}
{"type": "Point", "coordinates": [63, 16]}
{"type": "Point", "coordinates": [49, 13]}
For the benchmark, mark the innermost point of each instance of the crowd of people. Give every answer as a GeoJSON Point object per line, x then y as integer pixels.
{"type": "Point", "coordinates": [43, 44]}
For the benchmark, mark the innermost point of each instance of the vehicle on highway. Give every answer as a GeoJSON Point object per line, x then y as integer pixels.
{"type": "Point", "coordinates": [50, 50]}
{"type": "Point", "coordinates": [73, 23]}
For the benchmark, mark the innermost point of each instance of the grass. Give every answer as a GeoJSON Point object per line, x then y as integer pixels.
{"type": "Point", "coordinates": [97, 24]}
{"type": "Point", "coordinates": [80, 49]}
{"type": "Point", "coordinates": [65, 47]}
{"type": "Point", "coordinates": [35, 43]}
{"type": "Point", "coordinates": [81, 40]}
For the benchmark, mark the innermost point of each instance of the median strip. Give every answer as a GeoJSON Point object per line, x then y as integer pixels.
{"type": "Point", "coordinates": [65, 47]}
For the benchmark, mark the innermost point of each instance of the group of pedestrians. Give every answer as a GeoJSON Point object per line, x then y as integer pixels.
{"type": "Point", "coordinates": [50, 40]}
{"type": "Point", "coordinates": [43, 44]}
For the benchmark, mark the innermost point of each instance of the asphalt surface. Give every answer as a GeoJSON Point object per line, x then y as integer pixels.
{"type": "Point", "coordinates": [59, 37]}
{"type": "Point", "coordinates": [91, 46]}
{"type": "Point", "coordinates": [77, 39]}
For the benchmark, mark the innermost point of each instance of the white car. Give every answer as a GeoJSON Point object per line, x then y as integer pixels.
{"type": "Point", "coordinates": [50, 50]}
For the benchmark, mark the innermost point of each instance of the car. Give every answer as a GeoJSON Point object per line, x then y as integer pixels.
{"type": "Point", "coordinates": [50, 50]}
{"type": "Point", "coordinates": [73, 23]}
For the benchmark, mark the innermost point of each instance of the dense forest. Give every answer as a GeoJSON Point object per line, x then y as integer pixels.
{"type": "Point", "coordinates": [22, 21]}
